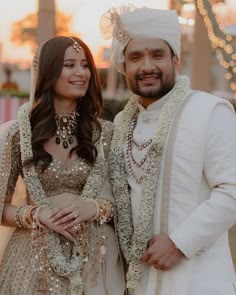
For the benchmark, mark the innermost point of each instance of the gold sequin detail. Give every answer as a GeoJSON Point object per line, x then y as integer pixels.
{"type": "Point", "coordinates": [18, 275]}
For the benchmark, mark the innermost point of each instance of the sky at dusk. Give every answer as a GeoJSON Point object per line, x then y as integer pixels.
{"type": "Point", "coordinates": [85, 22]}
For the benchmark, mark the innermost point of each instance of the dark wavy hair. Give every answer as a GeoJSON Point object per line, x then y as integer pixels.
{"type": "Point", "coordinates": [42, 115]}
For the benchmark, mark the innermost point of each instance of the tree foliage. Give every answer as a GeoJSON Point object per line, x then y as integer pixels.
{"type": "Point", "coordinates": [24, 31]}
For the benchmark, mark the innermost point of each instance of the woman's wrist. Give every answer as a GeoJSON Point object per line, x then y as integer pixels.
{"type": "Point", "coordinates": [104, 211]}
{"type": "Point", "coordinates": [38, 220]}
{"type": "Point", "coordinates": [96, 205]}
{"type": "Point", "coordinates": [24, 216]}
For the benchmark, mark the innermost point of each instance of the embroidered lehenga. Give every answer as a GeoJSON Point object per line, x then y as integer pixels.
{"type": "Point", "coordinates": [20, 274]}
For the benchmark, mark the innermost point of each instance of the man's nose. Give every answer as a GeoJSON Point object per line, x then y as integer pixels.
{"type": "Point", "coordinates": [147, 64]}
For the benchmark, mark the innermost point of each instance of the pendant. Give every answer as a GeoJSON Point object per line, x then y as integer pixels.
{"type": "Point", "coordinates": [65, 144]}
{"type": "Point", "coordinates": [66, 124]}
{"type": "Point", "coordinates": [58, 140]}
{"type": "Point", "coordinates": [70, 139]}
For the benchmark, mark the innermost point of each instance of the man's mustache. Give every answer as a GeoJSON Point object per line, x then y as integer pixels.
{"type": "Point", "coordinates": [157, 75]}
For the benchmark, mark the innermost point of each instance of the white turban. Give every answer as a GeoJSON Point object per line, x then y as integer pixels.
{"type": "Point", "coordinates": [128, 22]}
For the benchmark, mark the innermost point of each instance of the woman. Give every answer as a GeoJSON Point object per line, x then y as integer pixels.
{"type": "Point", "coordinates": [64, 242]}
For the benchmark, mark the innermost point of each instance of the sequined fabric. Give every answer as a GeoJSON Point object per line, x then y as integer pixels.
{"type": "Point", "coordinates": [60, 177]}
{"type": "Point", "coordinates": [17, 273]}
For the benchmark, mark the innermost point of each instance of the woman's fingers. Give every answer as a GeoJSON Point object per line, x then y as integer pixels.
{"type": "Point", "coordinates": [73, 223]}
{"type": "Point", "coordinates": [68, 218]}
{"type": "Point", "coordinates": [60, 214]}
{"type": "Point", "coordinates": [45, 220]}
{"type": "Point", "coordinates": [54, 212]}
{"type": "Point", "coordinates": [68, 235]}
{"type": "Point", "coordinates": [61, 231]}
{"type": "Point", "coordinates": [76, 229]}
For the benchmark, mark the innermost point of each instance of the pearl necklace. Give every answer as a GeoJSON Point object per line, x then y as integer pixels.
{"type": "Point", "coordinates": [129, 154]}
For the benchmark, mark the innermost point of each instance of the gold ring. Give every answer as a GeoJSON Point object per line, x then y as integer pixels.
{"type": "Point", "coordinates": [76, 227]}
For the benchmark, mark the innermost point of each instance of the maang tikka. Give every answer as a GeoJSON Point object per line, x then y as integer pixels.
{"type": "Point", "coordinates": [66, 127]}
{"type": "Point", "coordinates": [75, 45]}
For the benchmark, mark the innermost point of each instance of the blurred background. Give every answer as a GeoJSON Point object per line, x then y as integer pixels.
{"type": "Point", "coordinates": [208, 47]}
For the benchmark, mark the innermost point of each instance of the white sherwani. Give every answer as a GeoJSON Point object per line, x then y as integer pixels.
{"type": "Point", "coordinates": [198, 196]}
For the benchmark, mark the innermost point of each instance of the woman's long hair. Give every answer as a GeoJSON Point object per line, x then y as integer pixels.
{"type": "Point", "coordinates": [42, 115]}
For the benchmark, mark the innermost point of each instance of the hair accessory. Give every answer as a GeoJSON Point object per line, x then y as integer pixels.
{"type": "Point", "coordinates": [76, 45]}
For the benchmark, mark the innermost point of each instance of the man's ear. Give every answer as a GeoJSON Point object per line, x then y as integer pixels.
{"type": "Point", "coordinates": [176, 64]}
{"type": "Point", "coordinates": [175, 61]}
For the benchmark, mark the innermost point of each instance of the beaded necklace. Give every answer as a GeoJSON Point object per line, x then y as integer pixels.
{"type": "Point", "coordinates": [129, 154]}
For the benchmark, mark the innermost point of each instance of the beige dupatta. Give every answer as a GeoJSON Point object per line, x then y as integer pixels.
{"type": "Point", "coordinates": [7, 131]}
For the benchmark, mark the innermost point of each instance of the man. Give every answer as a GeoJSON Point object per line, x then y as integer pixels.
{"type": "Point", "coordinates": [173, 164]}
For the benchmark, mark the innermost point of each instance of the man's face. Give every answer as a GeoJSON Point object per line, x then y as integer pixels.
{"type": "Point", "coordinates": [149, 67]}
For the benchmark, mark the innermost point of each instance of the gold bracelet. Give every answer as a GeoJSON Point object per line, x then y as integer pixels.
{"type": "Point", "coordinates": [22, 215]}
{"type": "Point", "coordinates": [17, 216]}
{"type": "Point", "coordinates": [29, 214]}
{"type": "Point", "coordinates": [105, 211]}
{"type": "Point", "coordinates": [24, 219]}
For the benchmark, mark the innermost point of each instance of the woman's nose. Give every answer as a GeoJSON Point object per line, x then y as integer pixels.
{"type": "Point", "coordinates": [79, 70]}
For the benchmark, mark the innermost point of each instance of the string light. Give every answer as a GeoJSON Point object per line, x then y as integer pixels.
{"type": "Point", "coordinates": [220, 41]}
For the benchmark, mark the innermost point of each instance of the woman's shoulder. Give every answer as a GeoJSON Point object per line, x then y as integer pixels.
{"type": "Point", "coordinates": [9, 129]}
{"type": "Point", "coordinates": [10, 138]}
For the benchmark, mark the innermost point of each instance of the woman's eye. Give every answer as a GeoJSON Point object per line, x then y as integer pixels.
{"type": "Point", "coordinates": [68, 65]}
{"type": "Point", "coordinates": [84, 66]}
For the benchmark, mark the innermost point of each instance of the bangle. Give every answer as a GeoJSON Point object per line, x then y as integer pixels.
{"type": "Point", "coordinates": [29, 214]}
{"type": "Point", "coordinates": [105, 211]}
{"type": "Point", "coordinates": [17, 216]}
{"type": "Point", "coordinates": [23, 216]}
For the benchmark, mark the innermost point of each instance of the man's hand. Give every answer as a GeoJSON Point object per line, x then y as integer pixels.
{"type": "Point", "coordinates": [162, 253]}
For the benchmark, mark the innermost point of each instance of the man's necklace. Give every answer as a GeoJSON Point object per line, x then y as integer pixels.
{"type": "Point", "coordinates": [129, 152]}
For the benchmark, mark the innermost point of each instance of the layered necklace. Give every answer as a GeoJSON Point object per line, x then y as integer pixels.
{"type": "Point", "coordinates": [66, 127]}
{"type": "Point", "coordinates": [129, 149]}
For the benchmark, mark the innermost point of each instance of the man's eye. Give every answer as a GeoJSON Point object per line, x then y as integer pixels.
{"type": "Point", "coordinates": [158, 55]}
{"type": "Point", "coordinates": [135, 57]}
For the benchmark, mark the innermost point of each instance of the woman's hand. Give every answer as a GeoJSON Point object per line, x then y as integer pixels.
{"type": "Point", "coordinates": [44, 218]}
{"type": "Point", "coordinates": [72, 215]}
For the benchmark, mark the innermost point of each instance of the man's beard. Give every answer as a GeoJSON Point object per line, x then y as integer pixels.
{"type": "Point", "coordinates": [163, 89]}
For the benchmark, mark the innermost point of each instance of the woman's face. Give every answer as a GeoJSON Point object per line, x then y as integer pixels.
{"type": "Point", "coordinates": [75, 75]}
